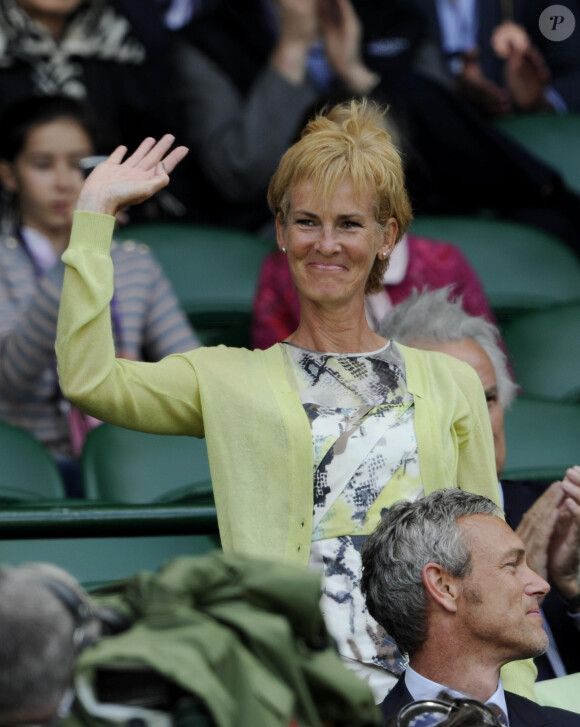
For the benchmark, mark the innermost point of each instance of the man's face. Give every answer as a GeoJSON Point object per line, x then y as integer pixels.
{"type": "Point", "coordinates": [472, 353]}
{"type": "Point", "coordinates": [498, 611]}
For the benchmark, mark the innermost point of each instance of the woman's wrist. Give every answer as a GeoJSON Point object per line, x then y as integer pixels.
{"type": "Point", "coordinates": [95, 203]}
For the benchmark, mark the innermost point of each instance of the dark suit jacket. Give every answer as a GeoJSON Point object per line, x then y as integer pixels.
{"type": "Point", "coordinates": [521, 711]}
{"type": "Point", "coordinates": [518, 498]}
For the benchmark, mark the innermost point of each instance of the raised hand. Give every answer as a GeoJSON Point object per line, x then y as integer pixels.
{"type": "Point", "coordinates": [341, 32]}
{"type": "Point", "coordinates": [509, 38]}
{"type": "Point", "coordinates": [527, 77]}
{"type": "Point", "coordinates": [118, 182]}
{"type": "Point", "coordinates": [537, 527]}
{"type": "Point", "coordinates": [564, 550]}
{"type": "Point", "coordinates": [297, 33]}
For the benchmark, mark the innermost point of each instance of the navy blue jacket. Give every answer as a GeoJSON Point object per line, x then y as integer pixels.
{"type": "Point", "coordinates": [522, 712]}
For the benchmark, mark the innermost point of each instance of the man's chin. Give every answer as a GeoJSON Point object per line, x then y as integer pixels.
{"type": "Point", "coordinates": [536, 647]}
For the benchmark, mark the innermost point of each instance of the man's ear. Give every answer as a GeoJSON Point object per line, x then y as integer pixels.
{"type": "Point", "coordinates": [441, 586]}
{"type": "Point", "coordinates": [7, 177]}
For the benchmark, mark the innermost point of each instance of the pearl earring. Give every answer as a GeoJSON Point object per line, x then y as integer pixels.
{"type": "Point", "coordinates": [284, 250]}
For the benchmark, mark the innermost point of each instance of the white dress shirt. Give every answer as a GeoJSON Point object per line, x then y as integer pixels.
{"type": "Point", "coordinates": [420, 687]}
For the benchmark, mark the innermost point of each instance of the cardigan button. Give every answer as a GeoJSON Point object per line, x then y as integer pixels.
{"type": "Point", "coordinates": [298, 548]}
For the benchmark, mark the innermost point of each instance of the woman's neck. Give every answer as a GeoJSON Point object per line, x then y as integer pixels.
{"type": "Point", "coordinates": [339, 330]}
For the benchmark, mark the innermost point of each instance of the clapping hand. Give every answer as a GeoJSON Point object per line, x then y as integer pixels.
{"type": "Point", "coordinates": [564, 549]}
{"type": "Point", "coordinates": [118, 182]}
{"type": "Point", "coordinates": [550, 530]}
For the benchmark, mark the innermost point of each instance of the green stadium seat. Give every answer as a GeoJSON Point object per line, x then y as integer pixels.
{"type": "Point", "coordinates": [214, 272]}
{"type": "Point", "coordinates": [124, 466]}
{"type": "Point", "coordinates": [544, 348]}
{"type": "Point", "coordinates": [521, 268]}
{"type": "Point", "coordinates": [554, 138]}
{"type": "Point", "coordinates": [28, 471]}
{"type": "Point", "coordinates": [543, 439]}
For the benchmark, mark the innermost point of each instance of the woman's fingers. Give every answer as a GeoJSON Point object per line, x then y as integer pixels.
{"type": "Point", "coordinates": [173, 158]}
{"type": "Point", "coordinates": [140, 152]}
{"type": "Point", "coordinates": [117, 156]}
{"type": "Point", "coordinates": [156, 153]}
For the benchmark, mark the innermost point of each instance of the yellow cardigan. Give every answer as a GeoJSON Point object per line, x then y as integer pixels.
{"type": "Point", "coordinates": [258, 437]}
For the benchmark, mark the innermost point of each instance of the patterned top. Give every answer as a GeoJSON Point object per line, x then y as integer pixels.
{"type": "Point", "coordinates": [365, 458]}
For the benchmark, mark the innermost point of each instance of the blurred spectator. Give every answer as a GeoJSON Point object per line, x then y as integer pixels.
{"type": "Point", "coordinates": [46, 619]}
{"type": "Point", "coordinates": [496, 57]}
{"type": "Point", "coordinates": [42, 142]}
{"type": "Point", "coordinates": [415, 263]}
{"type": "Point", "coordinates": [252, 71]}
{"type": "Point", "coordinates": [89, 49]}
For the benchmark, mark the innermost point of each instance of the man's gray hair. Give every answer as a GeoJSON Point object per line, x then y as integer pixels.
{"type": "Point", "coordinates": [430, 315]}
{"type": "Point", "coordinates": [410, 535]}
{"type": "Point", "coordinates": [37, 655]}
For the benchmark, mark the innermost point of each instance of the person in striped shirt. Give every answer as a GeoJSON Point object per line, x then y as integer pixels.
{"type": "Point", "coordinates": [42, 142]}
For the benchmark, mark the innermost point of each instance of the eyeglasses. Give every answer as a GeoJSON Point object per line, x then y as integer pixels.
{"type": "Point", "coordinates": [427, 712]}
{"type": "Point", "coordinates": [80, 610]}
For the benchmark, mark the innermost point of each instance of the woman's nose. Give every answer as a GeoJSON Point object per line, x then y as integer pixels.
{"type": "Point", "coordinates": [328, 243]}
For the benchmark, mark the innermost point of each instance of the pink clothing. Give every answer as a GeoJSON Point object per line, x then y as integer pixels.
{"type": "Point", "coordinates": [431, 265]}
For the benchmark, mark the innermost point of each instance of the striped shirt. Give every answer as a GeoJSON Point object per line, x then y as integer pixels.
{"type": "Point", "coordinates": [149, 325]}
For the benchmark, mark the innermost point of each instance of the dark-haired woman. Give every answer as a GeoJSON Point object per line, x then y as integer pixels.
{"type": "Point", "coordinates": [42, 141]}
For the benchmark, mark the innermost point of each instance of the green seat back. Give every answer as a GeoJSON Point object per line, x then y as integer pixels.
{"type": "Point", "coordinates": [542, 439]}
{"type": "Point", "coordinates": [545, 351]}
{"type": "Point", "coordinates": [554, 138]}
{"type": "Point", "coordinates": [99, 543]}
{"type": "Point", "coordinates": [521, 268]}
{"type": "Point", "coordinates": [95, 561]}
{"type": "Point", "coordinates": [27, 471]}
{"type": "Point", "coordinates": [120, 465]}
{"type": "Point", "coordinates": [214, 272]}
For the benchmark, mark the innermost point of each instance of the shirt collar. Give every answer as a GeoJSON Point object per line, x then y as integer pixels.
{"type": "Point", "coordinates": [419, 687]}
{"type": "Point", "coordinates": [40, 247]}
{"type": "Point", "coordinates": [398, 263]}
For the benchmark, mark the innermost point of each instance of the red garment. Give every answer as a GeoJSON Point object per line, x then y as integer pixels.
{"type": "Point", "coordinates": [431, 265]}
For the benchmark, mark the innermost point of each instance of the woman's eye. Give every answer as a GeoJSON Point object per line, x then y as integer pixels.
{"type": "Point", "coordinates": [305, 222]}
{"type": "Point", "coordinates": [350, 224]}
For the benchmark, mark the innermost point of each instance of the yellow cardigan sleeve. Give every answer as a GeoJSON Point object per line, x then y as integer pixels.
{"type": "Point", "coordinates": [158, 397]}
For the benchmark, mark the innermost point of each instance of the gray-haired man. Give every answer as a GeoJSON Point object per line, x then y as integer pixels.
{"type": "Point", "coordinates": [449, 580]}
